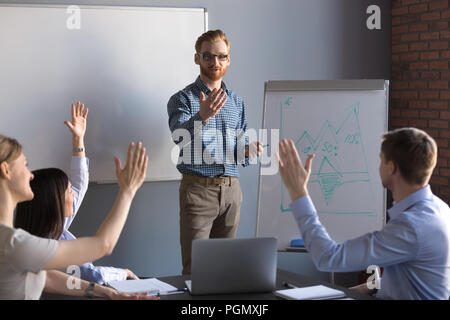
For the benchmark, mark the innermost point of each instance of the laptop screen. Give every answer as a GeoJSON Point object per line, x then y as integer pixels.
{"type": "Point", "coordinates": [233, 265]}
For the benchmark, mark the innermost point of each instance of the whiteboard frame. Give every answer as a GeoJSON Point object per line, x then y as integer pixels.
{"type": "Point", "coordinates": [113, 7]}
{"type": "Point", "coordinates": [323, 85]}
{"type": "Point", "coordinates": [31, 5]}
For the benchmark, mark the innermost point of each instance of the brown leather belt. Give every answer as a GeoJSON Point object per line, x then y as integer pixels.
{"type": "Point", "coordinates": [210, 180]}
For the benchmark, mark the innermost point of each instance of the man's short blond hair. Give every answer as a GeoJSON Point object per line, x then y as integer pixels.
{"type": "Point", "coordinates": [211, 36]}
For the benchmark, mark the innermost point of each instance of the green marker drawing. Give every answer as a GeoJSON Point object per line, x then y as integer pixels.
{"type": "Point", "coordinates": [266, 145]}
{"type": "Point", "coordinates": [326, 145]}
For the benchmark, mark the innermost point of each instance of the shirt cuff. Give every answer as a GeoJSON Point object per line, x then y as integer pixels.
{"type": "Point", "coordinates": [197, 117]}
{"type": "Point", "coordinates": [301, 206]}
{"type": "Point", "coordinates": [112, 274]}
{"type": "Point", "coordinates": [198, 130]}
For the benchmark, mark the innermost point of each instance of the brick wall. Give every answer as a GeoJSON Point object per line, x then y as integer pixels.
{"type": "Point", "coordinates": [419, 88]}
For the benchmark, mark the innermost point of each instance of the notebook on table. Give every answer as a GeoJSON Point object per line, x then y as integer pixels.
{"type": "Point", "coordinates": [319, 292]}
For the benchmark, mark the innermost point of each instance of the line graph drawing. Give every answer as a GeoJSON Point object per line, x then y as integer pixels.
{"type": "Point", "coordinates": [340, 160]}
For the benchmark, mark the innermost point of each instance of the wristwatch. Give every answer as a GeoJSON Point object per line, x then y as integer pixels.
{"type": "Point", "coordinates": [90, 292]}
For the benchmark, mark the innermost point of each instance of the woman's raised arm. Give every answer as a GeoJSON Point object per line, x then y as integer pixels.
{"type": "Point", "coordinates": [130, 179]}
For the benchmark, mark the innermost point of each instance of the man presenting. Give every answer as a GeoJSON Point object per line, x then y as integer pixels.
{"type": "Point", "coordinates": [214, 120]}
{"type": "Point", "coordinates": [413, 247]}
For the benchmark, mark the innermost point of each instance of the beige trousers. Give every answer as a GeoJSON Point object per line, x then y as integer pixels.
{"type": "Point", "coordinates": [207, 210]}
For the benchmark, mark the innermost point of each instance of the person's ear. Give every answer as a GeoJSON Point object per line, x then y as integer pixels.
{"type": "Point", "coordinates": [197, 59]}
{"type": "Point", "coordinates": [4, 170]}
{"type": "Point", "coordinates": [392, 167]}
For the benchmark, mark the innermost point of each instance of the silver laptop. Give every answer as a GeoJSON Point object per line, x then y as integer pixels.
{"type": "Point", "coordinates": [233, 266]}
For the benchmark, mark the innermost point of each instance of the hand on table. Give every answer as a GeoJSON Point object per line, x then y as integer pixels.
{"type": "Point", "coordinates": [131, 275]}
{"type": "Point", "coordinates": [113, 294]}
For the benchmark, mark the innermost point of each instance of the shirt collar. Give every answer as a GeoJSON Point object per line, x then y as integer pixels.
{"type": "Point", "coordinates": [409, 201]}
{"type": "Point", "coordinates": [203, 87]}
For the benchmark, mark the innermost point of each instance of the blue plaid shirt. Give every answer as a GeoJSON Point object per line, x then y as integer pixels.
{"type": "Point", "coordinates": [214, 148]}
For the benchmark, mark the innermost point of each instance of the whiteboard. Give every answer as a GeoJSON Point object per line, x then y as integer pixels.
{"type": "Point", "coordinates": [341, 122]}
{"type": "Point", "coordinates": [123, 63]}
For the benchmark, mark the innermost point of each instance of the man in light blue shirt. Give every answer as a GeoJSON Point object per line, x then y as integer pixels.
{"type": "Point", "coordinates": [413, 247]}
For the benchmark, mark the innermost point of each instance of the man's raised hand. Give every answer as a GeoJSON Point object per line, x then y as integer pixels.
{"type": "Point", "coordinates": [210, 106]}
{"type": "Point", "coordinates": [295, 176]}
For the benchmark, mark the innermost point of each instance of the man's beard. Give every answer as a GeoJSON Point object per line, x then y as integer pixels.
{"type": "Point", "coordinates": [211, 74]}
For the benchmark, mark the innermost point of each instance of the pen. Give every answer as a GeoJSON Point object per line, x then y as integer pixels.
{"type": "Point", "coordinates": [265, 145]}
{"type": "Point", "coordinates": [153, 293]}
{"type": "Point", "coordinates": [286, 284]}
{"type": "Point", "coordinates": [176, 291]}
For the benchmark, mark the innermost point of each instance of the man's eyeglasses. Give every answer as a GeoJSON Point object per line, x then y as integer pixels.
{"type": "Point", "coordinates": [210, 57]}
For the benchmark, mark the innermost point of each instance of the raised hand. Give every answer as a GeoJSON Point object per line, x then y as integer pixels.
{"type": "Point", "coordinates": [78, 124]}
{"type": "Point", "coordinates": [132, 175]}
{"type": "Point", "coordinates": [210, 106]}
{"type": "Point", "coordinates": [295, 176]}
